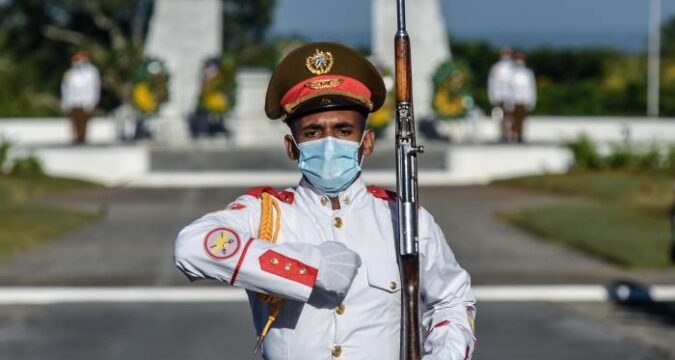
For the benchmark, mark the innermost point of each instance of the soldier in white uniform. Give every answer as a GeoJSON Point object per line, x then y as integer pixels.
{"type": "Point", "coordinates": [499, 91]}
{"type": "Point", "coordinates": [524, 94]}
{"type": "Point", "coordinates": [319, 260]}
{"type": "Point", "coordinates": [80, 92]}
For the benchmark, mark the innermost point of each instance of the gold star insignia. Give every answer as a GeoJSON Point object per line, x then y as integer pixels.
{"type": "Point", "coordinates": [320, 62]}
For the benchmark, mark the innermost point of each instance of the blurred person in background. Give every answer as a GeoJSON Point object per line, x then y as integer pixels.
{"type": "Point", "coordinates": [209, 116]}
{"type": "Point", "coordinates": [80, 93]}
{"type": "Point", "coordinates": [499, 91]}
{"type": "Point", "coordinates": [523, 95]}
{"type": "Point", "coordinates": [325, 249]}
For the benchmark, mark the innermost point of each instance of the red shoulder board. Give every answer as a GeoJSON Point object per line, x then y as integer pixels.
{"type": "Point", "coordinates": [285, 196]}
{"type": "Point", "coordinates": [381, 193]}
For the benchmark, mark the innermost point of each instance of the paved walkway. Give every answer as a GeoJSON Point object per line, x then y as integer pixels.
{"type": "Point", "coordinates": [133, 246]}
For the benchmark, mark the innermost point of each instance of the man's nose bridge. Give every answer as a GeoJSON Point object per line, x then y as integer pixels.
{"type": "Point", "coordinates": [329, 131]}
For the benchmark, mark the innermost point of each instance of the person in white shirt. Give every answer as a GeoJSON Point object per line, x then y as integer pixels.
{"type": "Point", "coordinates": [499, 91]}
{"type": "Point", "coordinates": [80, 93]}
{"type": "Point", "coordinates": [319, 260]}
{"type": "Point", "coordinates": [524, 94]}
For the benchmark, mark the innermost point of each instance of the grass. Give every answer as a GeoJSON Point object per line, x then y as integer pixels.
{"type": "Point", "coordinates": [20, 189]}
{"type": "Point", "coordinates": [25, 223]}
{"type": "Point", "coordinates": [652, 189]}
{"type": "Point", "coordinates": [621, 217]}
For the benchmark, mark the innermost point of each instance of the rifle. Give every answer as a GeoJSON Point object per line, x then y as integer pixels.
{"type": "Point", "coordinates": [406, 188]}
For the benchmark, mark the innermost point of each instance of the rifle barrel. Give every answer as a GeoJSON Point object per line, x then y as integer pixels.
{"type": "Point", "coordinates": [400, 8]}
{"type": "Point", "coordinates": [406, 188]}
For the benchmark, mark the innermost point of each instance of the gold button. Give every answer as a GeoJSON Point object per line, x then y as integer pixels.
{"type": "Point", "coordinates": [324, 201]}
{"type": "Point", "coordinates": [392, 285]}
{"type": "Point", "coordinates": [274, 261]}
{"type": "Point", "coordinates": [337, 351]}
{"type": "Point", "coordinates": [340, 309]}
{"type": "Point", "coordinates": [303, 271]}
{"type": "Point", "coordinates": [337, 222]}
{"type": "Point", "coordinates": [288, 266]}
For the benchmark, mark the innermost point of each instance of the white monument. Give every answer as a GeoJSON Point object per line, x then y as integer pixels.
{"type": "Point", "coordinates": [250, 125]}
{"type": "Point", "coordinates": [429, 42]}
{"type": "Point", "coordinates": [183, 33]}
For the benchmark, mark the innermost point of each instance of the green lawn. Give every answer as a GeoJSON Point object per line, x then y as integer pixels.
{"type": "Point", "coordinates": [622, 217]}
{"type": "Point", "coordinates": [24, 223]}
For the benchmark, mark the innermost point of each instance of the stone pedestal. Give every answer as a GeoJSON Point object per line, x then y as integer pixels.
{"type": "Point", "coordinates": [429, 42]}
{"type": "Point", "coordinates": [249, 124]}
{"type": "Point", "coordinates": [183, 33]}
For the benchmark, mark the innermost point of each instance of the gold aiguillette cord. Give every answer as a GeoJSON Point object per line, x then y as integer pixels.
{"type": "Point", "coordinates": [269, 231]}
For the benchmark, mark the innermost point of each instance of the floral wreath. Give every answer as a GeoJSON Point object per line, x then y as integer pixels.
{"type": "Point", "coordinates": [150, 86]}
{"type": "Point", "coordinates": [218, 90]}
{"type": "Point", "coordinates": [380, 119]}
{"type": "Point", "coordinates": [452, 99]}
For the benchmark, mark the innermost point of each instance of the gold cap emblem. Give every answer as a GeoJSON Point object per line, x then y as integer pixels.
{"type": "Point", "coordinates": [320, 62]}
{"type": "Point", "coordinates": [324, 84]}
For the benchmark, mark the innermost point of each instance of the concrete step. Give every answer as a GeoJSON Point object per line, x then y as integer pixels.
{"type": "Point", "coordinates": [220, 165]}
{"type": "Point", "coordinates": [270, 159]}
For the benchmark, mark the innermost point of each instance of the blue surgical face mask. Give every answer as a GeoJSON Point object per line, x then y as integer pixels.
{"type": "Point", "coordinates": [330, 164]}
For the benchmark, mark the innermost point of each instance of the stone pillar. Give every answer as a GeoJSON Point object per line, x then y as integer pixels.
{"type": "Point", "coordinates": [249, 124]}
{"type": "Point", "coordinates": [429, 42]}
{"type": "Point", "coordinates": [183, 33]}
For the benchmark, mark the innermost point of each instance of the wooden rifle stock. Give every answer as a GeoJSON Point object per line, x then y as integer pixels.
{"type": "Point", "coordinates": [406, 187]}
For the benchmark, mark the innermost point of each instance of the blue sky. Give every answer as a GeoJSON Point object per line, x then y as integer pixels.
{"type": "Point", "coordinates": [619, 23]}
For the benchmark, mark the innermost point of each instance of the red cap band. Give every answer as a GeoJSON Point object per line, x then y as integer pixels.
{"type": "Point", "coordinates": [325, 85]}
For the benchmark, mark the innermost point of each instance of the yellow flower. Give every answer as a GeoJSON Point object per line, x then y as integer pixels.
{"type": "Point", "coordinates": [669, 73]}
{"type": "Point", "coordinates": [447, 106]}
{"type": "Point", "coordinates": [215, 102]}
{"type": "Point", "coordinates": [143, 98]}
{"type": "Point", "coordinates": [382, 117]}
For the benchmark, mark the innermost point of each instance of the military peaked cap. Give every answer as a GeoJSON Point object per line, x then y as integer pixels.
{"type": "Point", "coordinates": [323, 76]}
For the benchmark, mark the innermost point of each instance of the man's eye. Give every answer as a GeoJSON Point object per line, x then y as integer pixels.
{"type": "Point", "coordinates": [311, 133]}
{"type": "Point", "coordinates": [344, 132]}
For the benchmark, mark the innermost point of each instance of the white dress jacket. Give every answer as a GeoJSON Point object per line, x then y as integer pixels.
{"type": "Point", "coordinates": [315, 325]}
{"type": "Point", "coordinates": [81, 88]}
{"type": "Point", "coordinates": [524, 87]}
{"type": "Point", "coordinates": [499, 82]}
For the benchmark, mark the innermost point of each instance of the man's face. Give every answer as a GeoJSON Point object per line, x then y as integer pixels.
{"type": "Point", "coordinates": [340, 124]}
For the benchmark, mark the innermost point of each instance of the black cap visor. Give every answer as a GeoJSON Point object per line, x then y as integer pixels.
{"type": "Point", "coordinates": [327, 103]}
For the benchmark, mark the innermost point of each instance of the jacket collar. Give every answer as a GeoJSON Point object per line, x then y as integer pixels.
{"type": "Point", "coordinates": [353, 195]}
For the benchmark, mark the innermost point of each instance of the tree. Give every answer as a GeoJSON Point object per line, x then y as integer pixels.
{"type": "Point", "coordinates": [245, 25]}
{"type": "Point", "coordinates": [39, 37]}
{"type": "Point", "coordinates": [668, 38]}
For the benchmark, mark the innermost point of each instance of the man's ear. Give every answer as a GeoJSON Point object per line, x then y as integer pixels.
{"type": "Point", "coordinates": [291, 149]}
{"type": "Point", "coordinates": [368, 145]}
